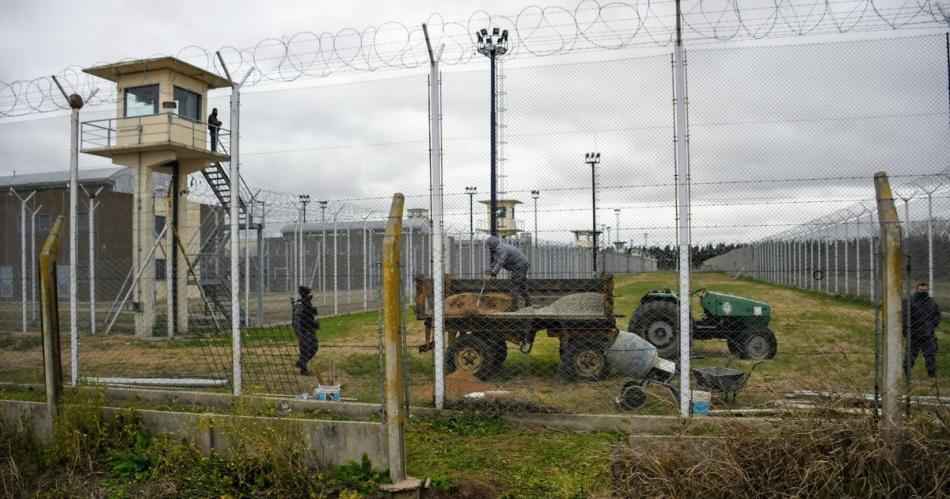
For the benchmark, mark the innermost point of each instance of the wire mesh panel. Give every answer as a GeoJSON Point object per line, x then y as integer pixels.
{"type": "Point", "coordinates": [574, 310]}
{"type": "Point", "coordinates": [780, 173]}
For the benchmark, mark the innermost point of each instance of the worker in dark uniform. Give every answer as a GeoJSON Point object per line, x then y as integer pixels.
{"type": "Point", "coordinates": [214, 124]}
{"type": "Point", "coordinates": [924, 318]}
{"type": "Point", "coordinates": [507, 257]}
{"type": "Point", "coordinates": [305, 326]}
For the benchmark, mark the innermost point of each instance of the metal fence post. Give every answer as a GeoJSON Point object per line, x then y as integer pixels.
{"type": "Point", "coordinates": [235, 227]}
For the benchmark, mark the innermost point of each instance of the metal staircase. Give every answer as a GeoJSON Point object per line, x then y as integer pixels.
{"type": "Point", "coordinates": [211, 262]}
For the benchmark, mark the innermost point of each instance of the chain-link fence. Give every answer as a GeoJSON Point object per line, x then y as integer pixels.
{"type": "Point", "coordinates": [779, 136]}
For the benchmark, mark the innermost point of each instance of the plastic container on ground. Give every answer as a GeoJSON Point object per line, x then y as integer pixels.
{"type": "Point", "coordinates": [327, 392]}
{"type": "Point", "coordinates": [700, 402]}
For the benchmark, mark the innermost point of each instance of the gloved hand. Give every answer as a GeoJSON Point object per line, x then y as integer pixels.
{"type": "Point", "coordinates": [489, 273]}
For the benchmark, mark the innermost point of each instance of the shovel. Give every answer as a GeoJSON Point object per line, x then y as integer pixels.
{"type": "Point", "coordinates": [480, 293]}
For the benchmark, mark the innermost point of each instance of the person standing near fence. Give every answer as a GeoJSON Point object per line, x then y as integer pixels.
{"type": "Point", "coordinates": [506, 256]}
{"type": "Point", "coordinates": [305, 326]}
{"type": "Point", "coordinates": [214, 124]}
{"type": "Point", "coordinates": [924, 318]}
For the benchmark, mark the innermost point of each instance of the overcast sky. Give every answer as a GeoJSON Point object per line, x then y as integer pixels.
{"type": "Point", "coordinates": [779, 135]}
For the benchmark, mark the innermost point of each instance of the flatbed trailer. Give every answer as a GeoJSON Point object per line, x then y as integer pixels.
{"type": "Point", "coordinates": [478, 342]}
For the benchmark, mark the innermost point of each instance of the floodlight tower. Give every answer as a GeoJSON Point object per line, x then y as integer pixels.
{"type": "Point", "coordinates": [592, 159]}
{"type": "Point", "coordinates": [491, 46]}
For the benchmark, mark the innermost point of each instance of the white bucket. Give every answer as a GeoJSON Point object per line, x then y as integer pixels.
{"type": "Point", "coordinates": [327, 392]}
{"type": "Point", "coordinates": [700, 402]}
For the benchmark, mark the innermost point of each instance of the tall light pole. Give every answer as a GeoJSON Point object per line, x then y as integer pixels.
{"type": "Point", "coordinates": [302, 259]}
{"type": "Point", "coordinates": [323, 249]}
{"type": "Point", "coordinates": [617, 226]}
{"type": "Point", "coordinates": [592, 159]}
{"type": "Point", "coordinates": [471, 190]}
{"type": "Point", "coordinates": [304, 200]}
{"type": "Point", "coordinates": [535, 195]}
{"type": "Point", "coordinates": [491, 46]}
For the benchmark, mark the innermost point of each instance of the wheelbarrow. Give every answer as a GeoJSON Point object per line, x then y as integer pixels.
{"type": "Point", "coordinates": [722, 379]}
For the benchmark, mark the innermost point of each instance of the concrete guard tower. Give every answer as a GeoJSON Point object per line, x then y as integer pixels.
{"type": "Point", "coordinates": [584, 238]}
{"type": "Point", "coordinates": [159, 127]}
{"type": "Point", "coordinates": [508, 225]}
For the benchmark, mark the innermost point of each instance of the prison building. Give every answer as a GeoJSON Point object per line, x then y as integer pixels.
{"type": "Point", "coordinates": [112, 190]}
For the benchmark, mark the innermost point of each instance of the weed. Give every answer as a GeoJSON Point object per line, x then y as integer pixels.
{"type": "Point", "coordinates": [471, 424]}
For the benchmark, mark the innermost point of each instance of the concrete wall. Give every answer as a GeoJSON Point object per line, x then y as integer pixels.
{"type": "Point", "coordinates": [326, 443]}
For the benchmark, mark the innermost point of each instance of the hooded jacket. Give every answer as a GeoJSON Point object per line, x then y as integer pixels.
{"type": "Point", "coordinates": [506, 256]}
{"type": "Point", "coordinates": [924, 313]}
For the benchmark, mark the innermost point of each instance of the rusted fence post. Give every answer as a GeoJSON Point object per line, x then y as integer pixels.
{"type": "Point", "coordinates": [49, 313]}
{"type": "Point", "coordinates": [891, 278]}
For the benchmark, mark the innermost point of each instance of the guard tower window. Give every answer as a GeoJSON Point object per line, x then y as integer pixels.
{"type": "Point", "coordinates": [189, 104]}
{"type": "Point", "coordinates": [501, 212]}
{"type": "Point", "coordinates": [141, 101]}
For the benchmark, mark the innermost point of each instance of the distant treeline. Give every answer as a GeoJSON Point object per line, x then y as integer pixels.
{"type": "Point", "coordinates": [666, 256]}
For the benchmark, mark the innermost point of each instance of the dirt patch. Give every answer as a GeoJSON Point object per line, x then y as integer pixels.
{"type": "Point", "coordinates": [464, 304]}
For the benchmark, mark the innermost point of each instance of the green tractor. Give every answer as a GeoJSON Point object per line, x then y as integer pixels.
{"type": "Point", "coordinates": [742, 322]}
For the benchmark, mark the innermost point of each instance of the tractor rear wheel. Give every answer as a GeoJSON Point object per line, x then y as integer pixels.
{"type": "Point", "coordinates": [658, 323]}
{"type": "Point", "coordinates": [758, 345]}
{"type": "Point", "coordinates": [470, 353]}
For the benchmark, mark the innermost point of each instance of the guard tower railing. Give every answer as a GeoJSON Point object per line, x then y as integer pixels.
{"type": "Point", "coordinates": [148, 130]}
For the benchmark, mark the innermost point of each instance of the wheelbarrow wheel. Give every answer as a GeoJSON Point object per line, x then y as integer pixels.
{"type": "Point", "coordinates": [632, 396]}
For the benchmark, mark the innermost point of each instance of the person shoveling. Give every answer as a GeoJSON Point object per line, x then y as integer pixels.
{"type": "Point", "coordinates": [507, 257]}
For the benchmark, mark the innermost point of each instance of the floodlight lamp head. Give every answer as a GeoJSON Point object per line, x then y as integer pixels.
{"type": "Point", "coordinates": [587, 156]}
{"type": "Point", "coordinates": [484, 32]}
{"type": "Point", "coordinates": [598, 155]}
{"type": "Point", "coordinates": [478, 36]}
{"type": "Point", "coordinates": [504, 35]}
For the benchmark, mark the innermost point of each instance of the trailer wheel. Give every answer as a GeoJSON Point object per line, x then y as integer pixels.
{"type": "Point", "coordinates": [585, 360]}
{"type": "Point", "coordinates": [658, 323]}
{"type": "Point", "coordinates": [632, 396]}
{"type": "Point", "coordinates": [759, 345]}
{"type": "Point", "coordinates": [470, 353]}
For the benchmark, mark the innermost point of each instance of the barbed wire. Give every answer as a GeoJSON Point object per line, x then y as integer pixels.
{"type": "Point", "coordinates": [909, 189]}
{"type": "Point", "coordinates": [536, 31]}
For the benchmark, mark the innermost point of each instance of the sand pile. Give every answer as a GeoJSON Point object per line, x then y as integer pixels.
{"type": "Point", "coordinates": [463, 304]}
